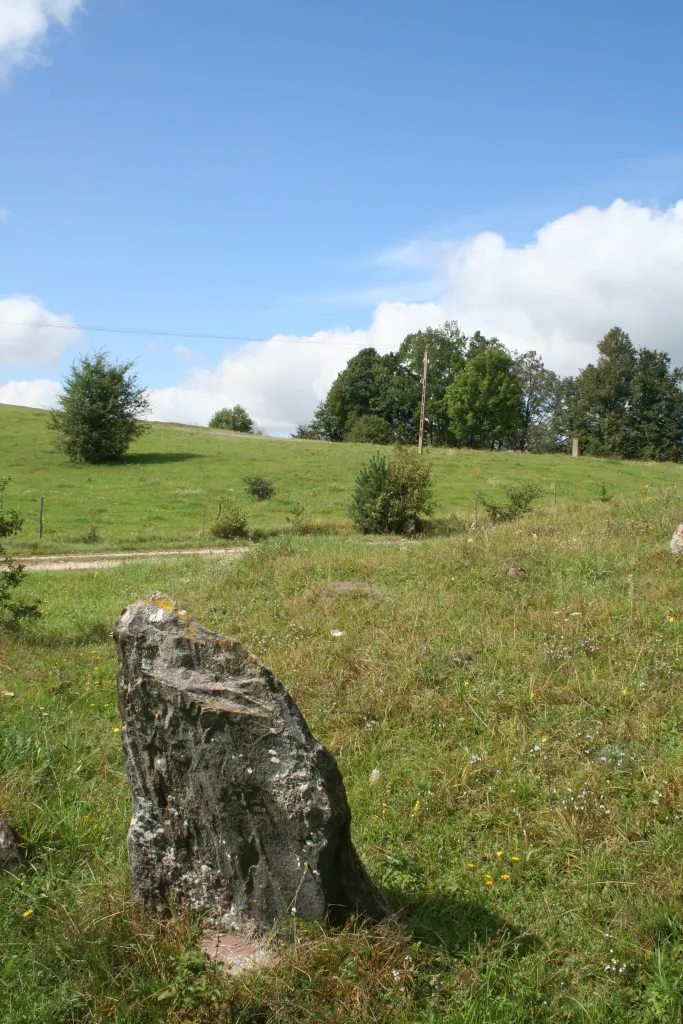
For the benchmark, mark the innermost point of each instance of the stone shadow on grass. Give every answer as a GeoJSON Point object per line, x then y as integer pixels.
{"type": "Point", "coordinates": [156, 458]}
{"type": "Point", "coordinates": [441, 920]}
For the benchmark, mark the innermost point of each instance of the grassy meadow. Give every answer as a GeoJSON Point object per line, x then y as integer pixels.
{"type": "Point", "coordinates": [526, 825]}
{"type": "Point", "coordinates": [165, 492]}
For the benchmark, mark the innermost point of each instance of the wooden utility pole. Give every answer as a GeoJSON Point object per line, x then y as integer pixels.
{"type": "Point", "coordinates": [424, 400]}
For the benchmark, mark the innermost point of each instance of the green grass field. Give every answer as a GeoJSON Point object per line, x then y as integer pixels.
{"type": "Point", "coordinates": [526, 826]}
{"type": "Point", "coordinates": [165, 492]}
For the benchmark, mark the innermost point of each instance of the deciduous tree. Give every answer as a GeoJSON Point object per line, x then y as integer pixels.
{"type": "Point", "coordinates": [99, 412]}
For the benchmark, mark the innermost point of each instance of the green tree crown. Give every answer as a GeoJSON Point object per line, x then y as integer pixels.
{"type": "Point", "coordinates": [236, 418]}
{"type": "Point", "coordinates": [99, 410]}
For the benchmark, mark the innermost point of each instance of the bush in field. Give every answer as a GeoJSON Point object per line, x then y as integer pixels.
{"type": "Point", "coordinates": [520, 501]}
{"type": "Point", "coordinates": [368, 429]}
{"type": "Point", "coordinates": [394, 495]}
{"type": "Point", "coordinates": [12, 574]}
{"type": "Point", "coordinates": [236, 418]}
{"type": "Point", "coordinates": [231, 521]}
{"type": "Point", "coordinates": [99, 410]}
{"type": "Point", "coordinates": [258, 487]}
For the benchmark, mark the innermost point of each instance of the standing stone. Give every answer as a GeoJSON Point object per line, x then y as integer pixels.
{"type": "Point", "coordinates": [9, 851]}
{"type": "Point", "coordinates": [238, 811]}
{"type": "Point", "coordinates": [676, 545]}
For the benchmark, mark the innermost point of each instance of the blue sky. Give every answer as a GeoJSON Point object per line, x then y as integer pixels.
{"type": "Point", "coordinates": [330, 171]}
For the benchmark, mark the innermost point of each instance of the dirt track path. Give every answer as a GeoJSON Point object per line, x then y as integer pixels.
{"type": "Point", "coordinates": [58, 563]}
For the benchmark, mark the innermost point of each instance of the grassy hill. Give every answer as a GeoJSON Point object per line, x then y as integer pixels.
{"type": "Point", "coordinates": [527, 822]}
{"type": "Point", "coordinates": [165, 491]}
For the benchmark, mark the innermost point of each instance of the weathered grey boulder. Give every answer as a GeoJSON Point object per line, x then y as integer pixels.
{"type": "Point", "coordinates": [238, 811]}
{"type": "Point", "coordinates": [676, 545]}
{"type": "Point", "coordinates": [9, 851]}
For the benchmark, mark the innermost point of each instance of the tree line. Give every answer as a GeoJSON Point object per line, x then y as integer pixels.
{"type": "Point", "coordinates": [628, 404]}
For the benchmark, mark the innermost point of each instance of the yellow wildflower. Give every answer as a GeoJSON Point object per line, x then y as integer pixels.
{"type": "Point", "coordinates": [544, 739]}
{"type": "Point", "coordinates": [489, 881]}
{"type": "Point", "coordinates": [624, 692]}
{"type": "Point", "coordinates": [499, 853]}
{"type": "Point", "coordinates": [470, 866]}
{"type": "Point", "coordinates": [505, 878]}
{"type": "Point", "coordinates": [118, 730]}
{"type": "Point", "coordinates": [515, 859]}
{"type": "Point", "coordinates": [27, 913]}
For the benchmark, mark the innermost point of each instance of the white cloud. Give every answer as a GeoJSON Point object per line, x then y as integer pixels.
{"type": "Point", "coordinates": [183, 352]}
{"type": "Point", "coordinates": [37, 394]}
{"type": "Point", "coordinates": [579, 276]}
{"type": "Point", "coordinates": [582, 274]}
{"type": "Point", "coordinates": [29, 333]}
{"type": "Point", "coordinates": [279, 382]}
{"type": "Point", "coordinates": [24, 25]}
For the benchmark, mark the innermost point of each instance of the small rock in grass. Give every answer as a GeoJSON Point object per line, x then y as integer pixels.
{"type": "Point", "coordinates": [9, 851]}
{"type": "Point", "coordinates": [516, 572]}
{"type": "Point", "coordinates": [676, 545]}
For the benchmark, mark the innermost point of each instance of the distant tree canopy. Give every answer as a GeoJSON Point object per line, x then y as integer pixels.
{"type": "Point", "coordinates": [99, 410]}
{"type": "Point", "coordinates": [629, 404]}
{"type": "Point", "coordinates": [236, 418]}
{"type": "Point", "coordinates": [484, 399]}
{"type": "Point", "coordinates": [481, 395]}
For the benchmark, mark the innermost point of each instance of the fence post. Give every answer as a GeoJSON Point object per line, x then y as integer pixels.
{"type": "Point", "coordinates": [40, 521]}
{"type": "Point", "coordinates": [476, 495]}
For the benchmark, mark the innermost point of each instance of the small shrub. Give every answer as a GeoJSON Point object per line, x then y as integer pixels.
{"type": "Point", "coordinates": [393, 496]}
{"type": "Point", "coordinates": [604, 496]}
{"type": "Point", "coordinates": [231, 521]}
{"type": "Point", "coordinates": [91, 535]}
{"type": "Point", "coordinates": [295, 517]}
{"type": "Point", "coordinates": [258, 487]}
{"type": "Point", "coordinates": [236, 418]}
{"type": "Point", "coordinates": [520, 501]}
{"type": "Point", "coordinates": [13, 574]}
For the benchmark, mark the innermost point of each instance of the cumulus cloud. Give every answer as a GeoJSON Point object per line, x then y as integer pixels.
{"type": "Point", "coordinates": [37, 394]}
{"type": "Point", "coordinates": [24, 25]}
{"type": "Point", "coordinates": [281, 381]}
{"type": "Point", "coordinates": [29, 333]}
{"type": "Point", "coordinates": [579, 276]}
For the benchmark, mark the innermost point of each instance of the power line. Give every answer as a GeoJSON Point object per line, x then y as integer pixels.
{"type": "Point", "coordinates": [180, 334]}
